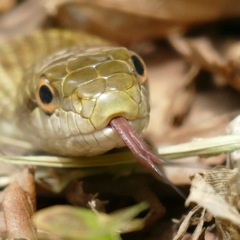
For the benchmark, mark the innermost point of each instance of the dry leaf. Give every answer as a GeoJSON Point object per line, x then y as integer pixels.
{"type": "Point", "coordinates": [5, 5]}
{"type": "Point", "coordinates": [78, 197]}
{"type": "Point", "coordinates": [217, 192]}
{"type": "Point", "coordinates": [171, 91]}
{"type": "Point", "coordinates": [148, 20]}
{"type": "Point", "coordinates": [135, 186]}
{"type": "Point", "coordinates": [18, 208]}
{"type": "Point", "coordinates": [24, 18]}
{"type": "Point", "coordinates": [186, 223]}
{"type": "Point", "coordinates": [219, 57]}
{"type": "Point", "coordinates": [200, 51]}
{"type": "Point", "coordinates": [27, 182]}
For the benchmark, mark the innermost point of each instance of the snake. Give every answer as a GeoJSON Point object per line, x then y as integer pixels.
{"type": "Point", "coordinates": [74, 94]}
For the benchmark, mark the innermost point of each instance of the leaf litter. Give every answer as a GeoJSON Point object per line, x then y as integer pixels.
{"type": "Point", "coordinates": [186, 90]}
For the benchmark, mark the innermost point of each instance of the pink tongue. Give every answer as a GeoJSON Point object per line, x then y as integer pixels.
{"type": "Point", "coordinates": [140, 149]}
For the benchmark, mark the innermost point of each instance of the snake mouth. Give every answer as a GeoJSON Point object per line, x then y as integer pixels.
{"type": "Point", "coordinates": [141, 150]}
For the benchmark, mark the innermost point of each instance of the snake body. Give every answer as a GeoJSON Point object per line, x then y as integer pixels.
{"type": "Point", "coordinates": [62, 88]}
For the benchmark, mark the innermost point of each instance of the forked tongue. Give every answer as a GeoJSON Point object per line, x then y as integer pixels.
{"type": "Point", "coordinates": [141, 150]}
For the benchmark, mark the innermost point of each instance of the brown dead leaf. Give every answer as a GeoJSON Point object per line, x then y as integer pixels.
{"type": "Point", "coordinates": [24, 18]}
{"type": "Point", "coordinates": [18, 207]}
{"type": "Point", "coordinates": [148, 20]}
{"type": "Point", "coordinates": [199, 50]}
{"type": "Point", "coordinates": [135, 186]}
{"type": "Point", "coordinates": [172, 10]}
{"type": "Point", "coordinates": [206, 118]}
{"type": "Point", "coordinates": [221, 57]}
{"type": "Point", "coordinates": [6, 5]}
{"type": "Point", "coordinates": [27, 182]}
{"type": "Point", "coordinates": [171, 91]}
{"type": "Point", "coordinates": [217, 192]}
{"type": "Point", "coordinates": [199, 229]}
{"type": "Point", "coordinates": [78, 197]}
{"type": "Point", "coordinates": [191, 220]}
{"type": "Point", "coordinates": [186, 223]}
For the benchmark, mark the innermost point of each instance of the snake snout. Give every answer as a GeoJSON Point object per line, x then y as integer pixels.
{"type": "Point", "coordinates": [114, 104]}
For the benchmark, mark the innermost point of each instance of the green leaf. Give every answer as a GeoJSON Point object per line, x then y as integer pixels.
{"type": "Point", "coordinates": [69, 222]}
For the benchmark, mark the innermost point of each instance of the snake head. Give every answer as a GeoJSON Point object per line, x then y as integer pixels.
{"type": "Point", "coordinates": [69, 98]}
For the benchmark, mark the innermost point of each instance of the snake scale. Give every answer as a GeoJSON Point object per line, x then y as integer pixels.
{"type": "Point", "coordinates": [73, 94]}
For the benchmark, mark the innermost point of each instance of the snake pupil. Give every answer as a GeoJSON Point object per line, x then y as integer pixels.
{"type": "Point", "coordinates": [138, 65]}
{"type": "Point", "coordinates": [45, 94]}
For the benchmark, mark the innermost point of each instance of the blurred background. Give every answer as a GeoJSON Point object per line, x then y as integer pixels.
{"type": "Point", "coordinates": [192, 53]}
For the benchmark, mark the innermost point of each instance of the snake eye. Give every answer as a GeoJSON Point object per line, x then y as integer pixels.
{"type": "Point", "coordinates": [46, 96]}
{"type": "Point", "coordinates": [138, 65]}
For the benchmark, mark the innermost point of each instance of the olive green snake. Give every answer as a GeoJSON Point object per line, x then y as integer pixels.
{"type": "Point", "coordinates": [64, 88]}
